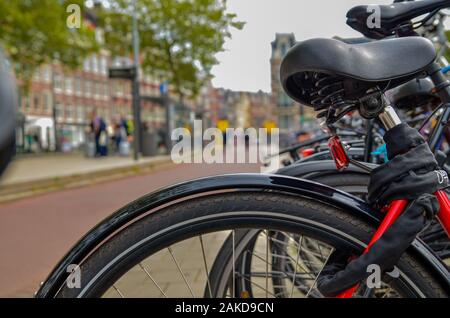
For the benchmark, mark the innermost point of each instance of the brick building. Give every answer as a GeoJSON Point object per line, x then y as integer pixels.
{"type": "Point", "coordinates": [240, 109]}
{"type": "Point", "coordinates": [291, 115]}
{"type": "Point", "coordinates": [71, 97]}
{"type": "Point", "coordinates": [74, 96]}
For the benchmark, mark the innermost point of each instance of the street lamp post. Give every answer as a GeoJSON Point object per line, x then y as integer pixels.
{"type": "Point", "coordinates": [135, 86]}
{"type": "Point", "coordinates": [168, 106]}
{"type": "Point", "coordinates": [54, 114]}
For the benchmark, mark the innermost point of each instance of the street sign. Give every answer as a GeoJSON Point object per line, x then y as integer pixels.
{"type": "Point", "coordinates": [153, 99]}
{"type": "Point", "coordinates": [270, 124]}
{"type": "Point", "coordinates": [222, 125]}
{"type": "Point", "coordinates": [163, 88]}
{"type": "Point", "coordinates": [122, 72]}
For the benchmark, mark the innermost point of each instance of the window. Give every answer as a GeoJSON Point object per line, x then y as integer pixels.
{"type": "Point", "coordinates": [118, 88]}
{"type": "Point", "coordinates": [69, 85]}
{"type": "Point", "coordinates": [26, 103]}
{"type": "Point", "coordinates": [92, 86]}
{"type": "Point", "coordinates": [80, 113]}
{"type": "Point", "coordinates": [103, 65]}
{"type": "Point", "coordinates": [88, 112]}
{"type": "Point", "coordinates": [94, 64]}
{"type": "Point", "coordinates": [87, 65]}
{"type": "Point", "coordinates": [37, 75]}
{"type": "Point", "coordinates": [106, 90]}
{"type": "Point", "coordinates": [46, 73]}
{"type": "Point", "coordinates": [87, 88]}
{"type": "Point", "coordinates": [58, 82]}
{"type": "Point", "coordinates": [284, 100]}
{"type": "Point", "coordinates": [78, 86]}
{"type": "Point", "coordinates": [59, 110]}
{"type": "Point", "coordinates": [47, 101]}
{"type": "Point", "coordinates": [36, 101]}
{"type": "Point", "coordinates": [96, 89]}
{"type": "Point", "coordinates": [69, 112]}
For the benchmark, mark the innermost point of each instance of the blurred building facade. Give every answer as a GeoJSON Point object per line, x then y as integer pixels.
{"type": "Point", "coordinates": [69, 99]}
{"type": "Point", "coordinates": [291, 115]}
{"type": "Point", "coordinates": [76, 96]}
{"type": "Point", "coordinates": [240, 109]}
{"type": "Point", "coordinates": [72, 98]}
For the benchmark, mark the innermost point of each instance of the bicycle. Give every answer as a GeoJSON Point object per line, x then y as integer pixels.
{"type": "Point", "coordinates": [355, 180]}
{"type": "Point", "coordinates": [150, 226]}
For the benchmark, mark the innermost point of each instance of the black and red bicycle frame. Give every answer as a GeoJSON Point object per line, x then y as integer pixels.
{"type": "Point", "coordinates": [390, 119]}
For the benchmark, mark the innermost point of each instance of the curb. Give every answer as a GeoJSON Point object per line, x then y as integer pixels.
{"type": "Point", "coordinates": [21, 190]}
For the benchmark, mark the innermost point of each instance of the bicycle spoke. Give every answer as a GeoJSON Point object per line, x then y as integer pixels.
{"type": "Point", "coordinates": [181, 272]}
{"type": "Point", "coordinates": [118, 291]}
{"type": "Point", "coordinates": [233, 234]}
{"type": "Point", "coordinates": [151, 278]}
{"type": "Point", "coordinates": [267, 263]}
{"type": "Point", "coordinates": [259, 286]}
{"type": "Point", "coordinates": [206, 265]}
{"type": "Point", "coordinates": [289, 257]}
{"type": "Point", "coordinates": [296, 264]}
{"type": "Point", "coordinates": [320, 250]}
{"type": "Point", "coordinates": [262, 259]}
{"type": "Point", "coordinates": [315, 280]}
{"type": "Point", "coordinates": [272, 274]}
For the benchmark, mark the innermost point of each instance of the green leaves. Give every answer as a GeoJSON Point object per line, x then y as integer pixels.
{"type": "Point", "coordinates": [36, 32]}
{"type": "Point", "coordinates": [178, 38]}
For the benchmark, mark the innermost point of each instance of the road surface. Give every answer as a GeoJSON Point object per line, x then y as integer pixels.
{"type": "Point", "coordinates": [36, 232]}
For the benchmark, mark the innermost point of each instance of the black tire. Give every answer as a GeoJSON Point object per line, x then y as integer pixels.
{"type": "Point", "coordinates": [351, 182]}
{"type": "Point", "coordinates": [233, 210]}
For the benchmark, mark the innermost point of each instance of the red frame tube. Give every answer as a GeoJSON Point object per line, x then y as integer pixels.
{"type": "Point", "coordinates": [395, 210]}
{"type": "Point", "coordinates": [444, 212]}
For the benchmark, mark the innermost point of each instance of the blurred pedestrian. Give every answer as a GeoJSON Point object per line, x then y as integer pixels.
{"type": "Point", "coordinates": [98, 127]}
{"type": "Point", "coordinates": [120, 135]}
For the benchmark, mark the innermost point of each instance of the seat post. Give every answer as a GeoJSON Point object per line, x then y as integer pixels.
{"type": "Point", "coordinates": [389, 118]}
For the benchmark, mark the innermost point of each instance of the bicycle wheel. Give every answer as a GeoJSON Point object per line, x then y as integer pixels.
{"type": "Point", "coordinates": [132, 262]}
{"type": "Point", "coordinates": [282, 259]}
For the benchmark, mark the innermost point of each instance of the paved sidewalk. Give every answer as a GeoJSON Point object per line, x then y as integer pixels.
{"type": "Point", "coordinates": [36, 232]}
{"type": "Point", "coordinates": [29, 169]}
{"type": "Point", "coordinates": [29, 176]}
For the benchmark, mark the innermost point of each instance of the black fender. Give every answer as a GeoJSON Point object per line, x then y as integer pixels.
{"type": "Point", "coordinates": [319, 167]}
{"type": "Point", "coordinates": [206, 186]}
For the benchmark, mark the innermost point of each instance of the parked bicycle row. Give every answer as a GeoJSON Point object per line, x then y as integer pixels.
{"type": "Point", "coordinates": [359, 210]}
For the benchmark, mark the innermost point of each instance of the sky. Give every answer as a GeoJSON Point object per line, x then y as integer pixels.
{"type": "Point", "coordinates": [245, 66]}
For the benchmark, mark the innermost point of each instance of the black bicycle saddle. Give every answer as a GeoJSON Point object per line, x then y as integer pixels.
{"type": "Point", "coordinates": [391, 16]}
{"type": "Point", "coordinates": [359, 67]}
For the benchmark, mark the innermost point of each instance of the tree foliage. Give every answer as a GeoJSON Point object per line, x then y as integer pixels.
{"type": "Point", "coordinates": [35, 32]}
{"type": "Point", "coordinates": [178, 38]}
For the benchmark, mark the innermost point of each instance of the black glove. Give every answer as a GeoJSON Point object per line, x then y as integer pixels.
{"type": "Point", "coordinates": [337, 276]}
{"type": "Point", "coordinates": [412, 173]}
